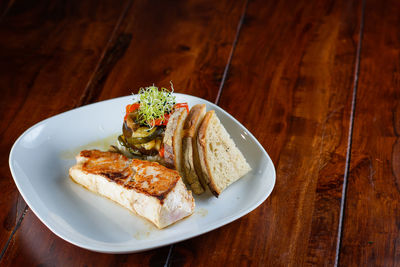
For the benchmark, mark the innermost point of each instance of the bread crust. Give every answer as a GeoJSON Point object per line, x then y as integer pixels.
{"type": "Point", "coordinates": [173, 139]}
{"type": "Point", "coordinates": [221, 161]}
{"type": "Point", "coordinates": [169, 156]}
{"type": "Point", "coordinates": [196, 113]}
{"type": "Point", "coordinates": [191, 162]}
{"type": "Point", "coordinates": [202, 151]}
{"type": "Point", "coordinates": [177, 141]}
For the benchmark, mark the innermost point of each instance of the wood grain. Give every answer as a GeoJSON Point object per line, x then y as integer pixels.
{"type": "Point", "coordinates": [49, 250]}
{"type": "Point", "coordinates": [5, 5]}
{"type": "Point", "coordinates": [290, 84]}
{"type": "Point", "coordinates": [371, 234]}
{"type": "Point", "coordinates": [188, 43]}
{"type": "Point", "coordinates": [48, 49]}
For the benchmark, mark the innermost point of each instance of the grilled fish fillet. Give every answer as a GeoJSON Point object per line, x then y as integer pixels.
{"type": "Point", "coordinates": [147, 188]}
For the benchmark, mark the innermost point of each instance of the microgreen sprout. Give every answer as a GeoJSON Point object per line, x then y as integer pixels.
{"type": "Point", "coordinates": [154, 104]}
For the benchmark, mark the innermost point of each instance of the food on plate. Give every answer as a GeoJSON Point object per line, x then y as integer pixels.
{"type": "Point", "coordinates": [146, 188]}
{"type": "Point", "coordinates": [194, 143]}
{"type": "Point", "coordinates": [173, 139]}
{"type": "Point", "coordinates": [221, 161]}
{"type": "Point", "coordinates": [191, 162]}
{"type": "Point", "coordinates": [161, 142]}
{"type": "Point", "coordinates": [152, 127]}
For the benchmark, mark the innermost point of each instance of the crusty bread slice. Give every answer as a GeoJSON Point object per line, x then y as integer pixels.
{"type": "Point", "coordinates": [221, 161]}
{"type": "Point", "coordinates": [173, 139]}
{"type": "Point", "coordinates": [191, 162]}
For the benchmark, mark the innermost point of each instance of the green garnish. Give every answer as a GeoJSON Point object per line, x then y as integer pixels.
{"type": "Point", "coordinates": [154, 104]}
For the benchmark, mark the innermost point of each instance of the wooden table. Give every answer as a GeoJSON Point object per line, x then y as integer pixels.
{"type": "Point", "coordinates": [316, 82]}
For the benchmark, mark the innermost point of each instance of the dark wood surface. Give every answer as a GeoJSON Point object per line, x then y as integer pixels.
{"type": "Point", "coordinates": [372, 212]}
{"type": "Point", "coordinates": [297, 104]}
{"type": "Point", "coordinates": [48, 52]}
{"type": "Point", "coordinates": [316, 82]}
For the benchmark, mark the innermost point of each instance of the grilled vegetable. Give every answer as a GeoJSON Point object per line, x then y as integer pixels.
{"type": "Point", "coordinates": [145, 120]}
{"type": "Point", "coordinates": [131, 108]}
{"type": "Point", "coordinates": [143, 135]}
{"type": "Point", "coordinates": [182, 105]}
{"type": "Point", "coordinates": [122, 142]}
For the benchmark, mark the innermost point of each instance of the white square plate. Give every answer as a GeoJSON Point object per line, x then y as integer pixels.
{"type": "Point", "coordinates": [40, 159]}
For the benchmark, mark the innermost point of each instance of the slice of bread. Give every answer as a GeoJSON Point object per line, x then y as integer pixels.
{"type": "Point", "coordinates": [221, 161]}
{"type": "Point", "coordinates": [191, 162]}
{"type": "Point", "coordinates": [173, 140]}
